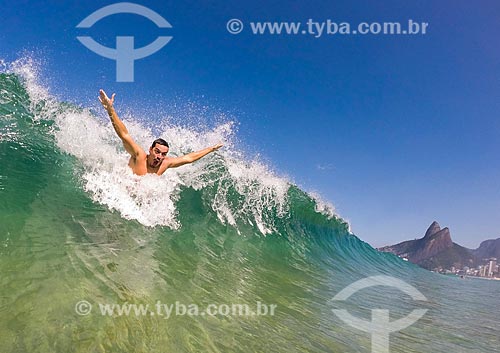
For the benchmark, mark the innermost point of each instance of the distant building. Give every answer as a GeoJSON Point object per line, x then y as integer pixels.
{"type": "Point", "coordinates": [491, 267]}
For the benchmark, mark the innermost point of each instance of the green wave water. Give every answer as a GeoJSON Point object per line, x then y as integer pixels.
{"type": "Point", "coordinates": [76, 225]}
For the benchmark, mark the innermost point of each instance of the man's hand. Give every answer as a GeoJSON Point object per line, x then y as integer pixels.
{"type": "Point", "coordinates": [105, 101]}
{"type": "Point", "coordinates": [216, 147]}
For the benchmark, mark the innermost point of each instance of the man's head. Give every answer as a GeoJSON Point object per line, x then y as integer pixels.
{"type": "Point", "coordinates": [157, 152]}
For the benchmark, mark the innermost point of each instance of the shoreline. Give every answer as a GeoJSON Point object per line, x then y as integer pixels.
{"type": "Point", "coordinates": [486, 278]}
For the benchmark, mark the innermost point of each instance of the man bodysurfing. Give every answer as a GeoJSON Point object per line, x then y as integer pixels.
{"type": "Point", "coordinates": [156, 161]}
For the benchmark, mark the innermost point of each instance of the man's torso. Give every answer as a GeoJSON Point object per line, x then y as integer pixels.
{"type": "Point", "coordinates": [140, 166]}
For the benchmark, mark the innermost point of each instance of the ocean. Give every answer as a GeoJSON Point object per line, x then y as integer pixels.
{"type": "Point", "coordinates": [95, 259]}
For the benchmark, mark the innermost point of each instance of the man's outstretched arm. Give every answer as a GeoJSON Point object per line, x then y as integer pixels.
{"type": "Point", "coordinates": [132, 148]}
{"type": "Point", "coordinates": [186, 159]}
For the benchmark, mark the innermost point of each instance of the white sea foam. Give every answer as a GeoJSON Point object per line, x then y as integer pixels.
{"type": "Point", "coordinates": [42, 103]}
{"type": "Point", "coordinates": [321, 206]}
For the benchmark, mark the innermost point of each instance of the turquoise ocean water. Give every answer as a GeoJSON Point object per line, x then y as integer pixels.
{"type": "Point", "coordinates": [78, 231]}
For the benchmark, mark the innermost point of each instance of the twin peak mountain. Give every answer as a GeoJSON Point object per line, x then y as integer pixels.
{"type": "Point", "coordinates": [436, 250]}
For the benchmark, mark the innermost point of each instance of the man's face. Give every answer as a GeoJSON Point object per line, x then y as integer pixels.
{"type": "Point", "coordinates": [156, 155]}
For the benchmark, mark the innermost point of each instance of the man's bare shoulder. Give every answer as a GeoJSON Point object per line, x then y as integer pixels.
{"type": "Point", "coordinates": [165, 164]}
{"type": "Point", "coordinates": [138, 164]}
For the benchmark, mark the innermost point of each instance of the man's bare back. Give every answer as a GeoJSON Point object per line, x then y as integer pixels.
{"type": "Point", "coordinates": [156, 161]}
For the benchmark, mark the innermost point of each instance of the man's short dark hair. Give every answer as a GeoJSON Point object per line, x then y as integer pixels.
{"type": "Point", "coordinates": [160, 142]}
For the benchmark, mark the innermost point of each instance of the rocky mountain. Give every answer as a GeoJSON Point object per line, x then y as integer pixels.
{"type": "Point", "coordinates": [488, 248]}
{"type": "Point", "coordinates": [436, 249]}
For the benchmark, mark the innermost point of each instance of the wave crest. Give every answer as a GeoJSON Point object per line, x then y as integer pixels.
{"type": "Point", "coordinates": [239, 190]}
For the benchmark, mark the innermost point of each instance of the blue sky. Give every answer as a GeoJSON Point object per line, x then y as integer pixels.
{"type": "Point", "coordinates": [395, 131]}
